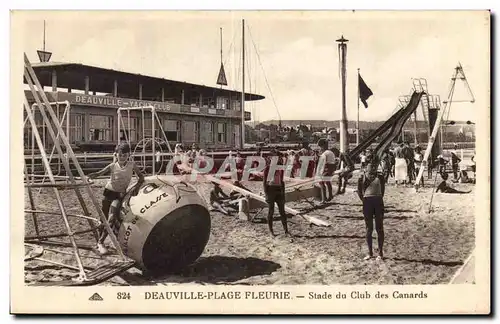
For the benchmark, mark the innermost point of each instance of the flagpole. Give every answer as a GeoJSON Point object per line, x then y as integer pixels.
{"type": "Point", "coordinates": [357, 122]}
{"type": "Point", "coordinates": [243, 85]}
{"type": "Point", "coordinates": [344, 139]}
{"type": "Point", "coordinates": [221, 50]}
{"type": "Point", "coordinates": [44, 35]}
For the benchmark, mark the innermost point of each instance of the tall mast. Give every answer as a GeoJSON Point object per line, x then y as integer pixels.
{"type": "Point", "coordinates": [221, 50]}
{"type": "Point", "coordinates": [42, 54]}
{"type": "Point", "coordinates": [44, 35]}
{"type": "Point", "coordinates": [243, 86]}
{"type": "Point", "coordinates": [344, 139]}
{"type": "Point", "coordinates": [357, 120]}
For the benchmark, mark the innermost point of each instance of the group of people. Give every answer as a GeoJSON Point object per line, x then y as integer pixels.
{"type": "Point", "coordinates": [370, 189]}
{"type": "Point", "coordinates": [325, 164]}
{"type": "Point", "coordinates": [403, 163]}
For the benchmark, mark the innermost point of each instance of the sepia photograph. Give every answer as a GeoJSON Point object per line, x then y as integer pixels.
{"type": "Point", "coordinates": [285, 158]}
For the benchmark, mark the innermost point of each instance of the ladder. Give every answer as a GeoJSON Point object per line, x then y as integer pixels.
{"type": "Point", "coordinates": [458, 74]}
{"type": "Point", "coordinates": [66, 155]}
{"type": "Point", "coordinates": [419, 85]}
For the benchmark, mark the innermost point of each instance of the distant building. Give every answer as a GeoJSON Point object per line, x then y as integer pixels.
{"type": "Point", "coordinates": [189, 113]}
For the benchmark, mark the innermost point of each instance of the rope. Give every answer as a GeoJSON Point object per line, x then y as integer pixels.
{"type": "Point", "coordinates": [263, 71]}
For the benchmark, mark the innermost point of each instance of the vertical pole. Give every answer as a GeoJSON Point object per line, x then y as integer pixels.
{"type": "Point", "coordinates": [437, 127]}
{"type": "Point", "coordinates": [344, 139]}
{"type": "Point", "coordinates": [118, 125]}
{"type": "Point", "coordinates": [87, 84]}
{"type": "Point", "coordinates": [220, 61]}
{"type": "Point", "coordinates": [44, 35]}
{"type": "Point", "coordinates": [357, 121]}
{"type": "Point", "coordinates": [441, 138]}
{"type": "Point", "coordinates": [415, 127]}
{"type": "Point", "coordinates": [54, 81]}
{"type": "Point", "coordinates": [243, 86]}
{"type": "Point", "coordinates": [221, 48]}
{"type": "Point", "coordinates": [153, 140]}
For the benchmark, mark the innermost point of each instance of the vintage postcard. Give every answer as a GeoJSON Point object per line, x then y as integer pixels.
{"type": "Point", "coordinates": [250, 162]}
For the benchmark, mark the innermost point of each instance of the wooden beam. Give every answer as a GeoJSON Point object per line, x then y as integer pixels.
{"type": "Point", "coordinates": [248, 194]}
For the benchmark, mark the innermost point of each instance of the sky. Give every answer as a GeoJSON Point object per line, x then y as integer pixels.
{"type": "Point", "coordinates": [290, 56]}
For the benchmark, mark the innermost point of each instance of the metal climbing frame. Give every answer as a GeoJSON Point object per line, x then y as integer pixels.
{"type": "Point", "coordinates": [460, 75]}
{"type": "Point", "coordinates": [145, 140]}
{"type": "Point", "coordinates": [37, 242]}
{"type": "Point", "coordinates": [64, 120]}
{"type": "Point", "coordinates": [419, 85]}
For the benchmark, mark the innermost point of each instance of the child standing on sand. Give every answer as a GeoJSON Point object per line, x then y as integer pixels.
{"type": "Point", "coordinates": [371, 189]}
{"type": "Point", "coordinates": [121, 174]}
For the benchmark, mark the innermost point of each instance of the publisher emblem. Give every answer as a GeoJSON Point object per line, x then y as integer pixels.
{"type": "Point", "coordinates": [95, 297]}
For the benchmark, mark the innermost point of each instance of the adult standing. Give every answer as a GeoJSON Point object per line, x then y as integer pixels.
{"type": "Point", "coordinates": [455, 160]}
{"type": "Point", "coordinates": [326, 168]}
{"type": "Point", "coordinates": [409, 156]}
{"type": "Point", "coordinates": [371, 189]}
{"type": "Point", "coordinates": [419, 157]}
{"type": "Point", "coordinates": [274, 189]}
{"type": "Point", "coordinates": [400, 167]}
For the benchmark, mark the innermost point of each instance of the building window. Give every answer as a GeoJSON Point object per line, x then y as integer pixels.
{"type": "Point", "coordinates": [197, 131]}
{"type": "Point", "coordinates": [208, 102]}
{"type": "Point", "coordinates": [208, 133]}
{"type": "Point", "coordinates": [190, 132]}
{"type": "Point", "coordinates": [148, 129]}
{"type": "Point", "coordinates": [236, 104]}
{"type": "Point", "coordinates": [100, 128]}
{"type": "Point", "coordinates": [222, 103]}
{"type": "Point", "coordinates": [128, 131]}
{"type": "Point", "coordinates": [76, 122]}
{"type": "Point", "coordinates": [221, 133]}
{"type": "Point", "coordinates": [195, 101]}
{"type": "Point", "coordinates": [236, 135]}
{"type": "Point", "coordinates": [172, 130]}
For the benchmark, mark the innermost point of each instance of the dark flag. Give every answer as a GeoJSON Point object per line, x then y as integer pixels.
{"type": "Point", "coordinates": [221, 79]}
{"type": "Point", "coordinates": [364, 91]}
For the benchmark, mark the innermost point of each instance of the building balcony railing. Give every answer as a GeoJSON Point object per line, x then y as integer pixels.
{"type": "Point", "coordinates": [79, 99]}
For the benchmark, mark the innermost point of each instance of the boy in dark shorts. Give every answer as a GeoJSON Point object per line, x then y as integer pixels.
{"type": "Point", "coordinates": [274, 188]}
{"type": "Point", "coordinates": [371, 189]}
{"type": "Point", "coordinates": [121, 175]}
{"type": "Point", "coordinates": [326, 169]}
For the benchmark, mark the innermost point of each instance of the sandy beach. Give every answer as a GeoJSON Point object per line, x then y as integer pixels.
{"type": "Point", "coordinates": [420, 247]}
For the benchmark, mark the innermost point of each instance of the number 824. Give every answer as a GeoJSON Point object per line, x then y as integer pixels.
{"type": "Point", "coordinates": [123, 295]}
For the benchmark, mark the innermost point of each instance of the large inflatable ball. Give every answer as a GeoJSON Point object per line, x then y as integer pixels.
{"type": "Point", "coordinates": [165, 227]}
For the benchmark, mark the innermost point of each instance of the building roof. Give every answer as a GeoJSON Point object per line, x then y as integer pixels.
{"type": "Point", "coordinates": [72, 75]}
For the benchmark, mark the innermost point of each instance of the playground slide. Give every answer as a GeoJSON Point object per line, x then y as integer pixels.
{"type": "Point", "coordinates": [394, 124]}
{"type": "Point", "coordinates": [378, 132]}
{"type": "Point", "coordinates": [398, 125]}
